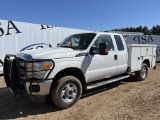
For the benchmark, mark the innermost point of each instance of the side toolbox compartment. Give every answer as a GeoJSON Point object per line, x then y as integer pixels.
{"type": "Point", "coordinates": [137, 53]}
{"type": "Point", "coordinates": [134, 54]}
{"type": "Point", "coordinates": [154, 57]}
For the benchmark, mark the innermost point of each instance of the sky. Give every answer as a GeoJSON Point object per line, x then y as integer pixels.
{"type": "Point", "coordinates": [96, 15]}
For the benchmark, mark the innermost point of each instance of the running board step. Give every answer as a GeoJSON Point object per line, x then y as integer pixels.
{"type": "Point", "coordinates": [106, 82]}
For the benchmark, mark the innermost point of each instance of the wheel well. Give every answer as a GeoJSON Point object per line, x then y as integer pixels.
{"type": "Point", "coordinates": [147, 62]}
{"type": "Point", "coordinates": [73, 72]}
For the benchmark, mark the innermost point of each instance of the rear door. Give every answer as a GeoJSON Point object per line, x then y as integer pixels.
{"type": "Point", "coordinates": [122, 54]}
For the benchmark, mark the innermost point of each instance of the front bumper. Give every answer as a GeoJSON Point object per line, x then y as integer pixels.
{"type": "Point", "coordinates": [31, 86]}
{"type": "Point", "coordinates": [38, 87]}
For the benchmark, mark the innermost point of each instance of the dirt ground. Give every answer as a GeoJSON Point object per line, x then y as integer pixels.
{"type": "Point", "coordinates": [125, 100]}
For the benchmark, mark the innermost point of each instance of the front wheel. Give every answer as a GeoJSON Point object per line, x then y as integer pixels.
{"type": "Point", "coordinates": [142, 74]}
{"type": "Point", "coordinates": [66, 91]}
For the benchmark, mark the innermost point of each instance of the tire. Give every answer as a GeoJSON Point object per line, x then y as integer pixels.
{"type": "Point", "coordinates": [142, 74]}
{"type": "Point", "coordinates": [66, 92]}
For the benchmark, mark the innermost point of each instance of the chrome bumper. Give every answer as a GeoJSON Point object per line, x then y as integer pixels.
{"type": "Point", "coordinates": [38, 88]}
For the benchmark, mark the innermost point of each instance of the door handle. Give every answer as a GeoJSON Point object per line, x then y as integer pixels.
{"type": "Point", "coordinates": [115, 57]}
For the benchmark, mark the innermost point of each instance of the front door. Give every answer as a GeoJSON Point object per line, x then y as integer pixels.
{"type": "Point", "coordinates": [103, 66]}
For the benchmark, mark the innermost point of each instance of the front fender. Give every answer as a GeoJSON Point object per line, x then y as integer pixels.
{"type": "Point", "coordinates": [63, 65]}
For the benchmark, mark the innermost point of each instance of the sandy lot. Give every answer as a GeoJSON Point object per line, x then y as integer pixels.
{"type": "Point", "coordinates": [125, 100]}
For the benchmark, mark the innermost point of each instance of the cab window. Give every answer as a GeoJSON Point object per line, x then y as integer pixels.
{"type": "Point", "coordinates": [104, 39]}
{"type": "Point", "coordinates": [119, 42]}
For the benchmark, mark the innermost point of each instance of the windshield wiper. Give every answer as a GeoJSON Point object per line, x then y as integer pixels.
{"type": "Point", "coordinates": [65, 47]}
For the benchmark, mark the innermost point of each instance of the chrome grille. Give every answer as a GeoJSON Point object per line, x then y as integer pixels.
{"type": "Point", "coordinates": [25, 70]}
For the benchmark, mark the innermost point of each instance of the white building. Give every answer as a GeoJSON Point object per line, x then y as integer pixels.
{"type": "Point", "coordinates": [16, 35]}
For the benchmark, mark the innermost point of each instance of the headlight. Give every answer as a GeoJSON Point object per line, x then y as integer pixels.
{"type": "Point", "coordinates": [36, 69]}
{"type": "Point", "coordinates": [40, 69]}
{"type": "Point", "coordinates": [42, 65]}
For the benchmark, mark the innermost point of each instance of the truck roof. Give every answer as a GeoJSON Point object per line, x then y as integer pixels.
{"type": "Point", "coordinates": [102, 33]}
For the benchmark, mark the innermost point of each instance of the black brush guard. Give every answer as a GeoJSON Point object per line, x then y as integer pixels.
{"type": "Point", "coordinates": [13, 73]}
{"type": "Point", "coordinates": [1, 63]}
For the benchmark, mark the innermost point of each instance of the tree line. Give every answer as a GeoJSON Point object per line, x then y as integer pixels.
{"type": "Point", "coordinates": [155, 30]}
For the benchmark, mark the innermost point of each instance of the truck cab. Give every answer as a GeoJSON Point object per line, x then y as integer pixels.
{"type": "Point", "coordinates": [111, 64]}
{"type": "Point", "coordinates": [80, 62]}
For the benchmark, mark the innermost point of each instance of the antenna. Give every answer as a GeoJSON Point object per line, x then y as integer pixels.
{"type": "Point", "coordinates": [101, 27]}
{"type": "Point", "coordinates": [91, 27]}
{"type": "Point", "coordinates": [101, 23]}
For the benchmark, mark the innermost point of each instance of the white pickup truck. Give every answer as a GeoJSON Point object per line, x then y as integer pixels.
{"type": "Point", "coordinates": [80, 62]}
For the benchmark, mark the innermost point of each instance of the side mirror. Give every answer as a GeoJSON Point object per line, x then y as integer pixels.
{"type": "Point", "coordinates": [58, 44]}
{"type": "Point", "coordinates": [103, 49]}
{"type": "Point", "coordinates": [94, 50]}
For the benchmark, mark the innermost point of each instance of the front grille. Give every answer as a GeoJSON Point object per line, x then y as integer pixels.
{"type": "Point", "coordinates": [25, 69]}
{"type": "Point", "coordinates": [20, 64]}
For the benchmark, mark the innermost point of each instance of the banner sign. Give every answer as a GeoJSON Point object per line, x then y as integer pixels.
{"type": "Point", "coordinates": [145, 39]}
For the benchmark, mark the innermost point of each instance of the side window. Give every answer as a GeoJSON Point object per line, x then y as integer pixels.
{"type": "Point", "coordinates": [119, 42]}
{"type": "Point", "coordinates": [104, 39]}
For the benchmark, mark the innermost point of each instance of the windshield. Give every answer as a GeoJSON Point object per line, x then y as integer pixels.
{"type": "Point", "coordinates": [78, 41]}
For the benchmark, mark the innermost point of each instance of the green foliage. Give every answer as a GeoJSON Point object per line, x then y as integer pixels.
{"type": "Point", "coordinates": [155, 30]}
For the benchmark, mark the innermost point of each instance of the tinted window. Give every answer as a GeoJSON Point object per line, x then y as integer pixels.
{"type": "Point", "coordinates": [119, 42]}
{"type": "Point", "coordinates": [104, 39]}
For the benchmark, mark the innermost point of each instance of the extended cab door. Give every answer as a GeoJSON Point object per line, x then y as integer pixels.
{"type": "Point", "coordinates": [103, 66]}
{"type": "Point", "coordinates": [122, 54]}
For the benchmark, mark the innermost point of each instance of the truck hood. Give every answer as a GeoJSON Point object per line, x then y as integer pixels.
{"type": "Point", "coordinates": [50, 53]}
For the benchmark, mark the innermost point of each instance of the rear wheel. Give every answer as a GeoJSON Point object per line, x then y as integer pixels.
{"type": "Point", "coordinates": [142, 74]}
{"type": "Point", "coordinates": [66, 91]}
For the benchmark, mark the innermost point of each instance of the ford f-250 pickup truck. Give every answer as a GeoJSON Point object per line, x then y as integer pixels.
{"type": "Point", "coordinates": [80, 62]}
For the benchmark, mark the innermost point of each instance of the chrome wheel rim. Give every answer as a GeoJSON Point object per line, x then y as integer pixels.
{"type": "Point", "coordinates": [69, 92]}
{"type": "Point", "coordinates": [143, 72]}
